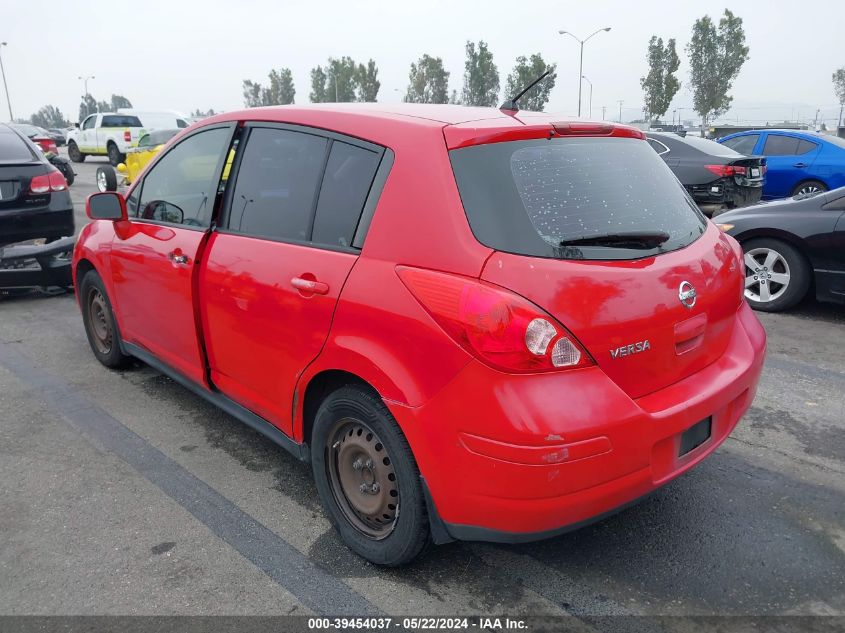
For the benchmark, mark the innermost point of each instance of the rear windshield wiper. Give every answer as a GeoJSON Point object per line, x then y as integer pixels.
{"type": "Point", "coordinates": [632, 239]}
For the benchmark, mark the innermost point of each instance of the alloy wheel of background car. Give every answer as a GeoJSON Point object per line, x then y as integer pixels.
{"type": "Point", "coordinates": [362, 478]}
{"type": "Point", "coordinates": [776, 274]}
{"type": "Point", "coordinates": [106, 179]}
{"type": "Point", "coordinates": [808, 188]}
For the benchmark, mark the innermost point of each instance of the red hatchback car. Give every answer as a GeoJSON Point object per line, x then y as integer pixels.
{"type": "Point", "coordinates": [474, 324]}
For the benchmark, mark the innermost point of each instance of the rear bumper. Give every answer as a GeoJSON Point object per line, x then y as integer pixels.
{"type": "Point", "coordinates": [18, 225]}
{"type": "Point", "coordinates": [725, 192]}
{"type": "Point", "coordinates": [28, 266]}
{"type": "Point", "coordinates": [512, 458]}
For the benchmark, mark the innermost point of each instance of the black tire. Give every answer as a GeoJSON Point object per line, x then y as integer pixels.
{"type": "Point", "coordinates": [115, 157]}
{"type": "Point", "coordinates": [106, 178]}
{"type": "Point", "coordinates": [107, 351]}
{"type": "Point", "coordinates": [407, 534]}
{"type": "Point", "coordinates": [797, 267]}
{"type": "Point", "coordinates": [67, 172]}
{"type": "Point", "coordinates": [74, 154]}
{"type": "Point", "coordinates": [808, 187]}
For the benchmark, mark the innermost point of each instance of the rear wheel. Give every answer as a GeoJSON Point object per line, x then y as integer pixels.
{"type": "Point", "coordinates": [364, 471]}
{"type": "Point", "coordinates": [115, 157]}
{"type": "Point", "coordinates": [100, 325]}
{"type": "Point", "coordinates": [809, 187]}
{"type": "Point", "coordinates": [74, 154]}
{"type": "Point", "coordinates": [106, 178]}
{"type": "Point", "coordinates": [776, 275]}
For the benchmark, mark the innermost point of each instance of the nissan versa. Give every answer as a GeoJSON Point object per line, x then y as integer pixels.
{"type": "Point", "coordinates": [474, 324]}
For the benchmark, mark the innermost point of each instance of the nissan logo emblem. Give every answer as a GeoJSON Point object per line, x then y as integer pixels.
{"type": "Point", "coordinates": [686, 294]}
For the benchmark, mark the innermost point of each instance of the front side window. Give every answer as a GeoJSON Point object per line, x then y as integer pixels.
{"type": "Point", "coordinates": [181, 187]}
{"type": "Point", "coordinates": [277, 183]}
{"type": "Point", "coordinates": [743, 144]}
{"type": "Point", "coordinates": [548, 198]}
{"type": "Point", "coordinates": [89, 122]}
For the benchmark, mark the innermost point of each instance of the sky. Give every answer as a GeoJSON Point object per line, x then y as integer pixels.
{"type": "Point", "coordinates": [189, 54]}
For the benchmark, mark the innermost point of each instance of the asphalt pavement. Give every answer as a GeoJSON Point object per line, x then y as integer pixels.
{"type": "Point", "coordinates": [123, 493]}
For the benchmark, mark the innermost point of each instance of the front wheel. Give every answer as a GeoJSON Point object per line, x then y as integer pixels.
{"type": "Point", "coordinates": [74, 154]}
{"type": "Point", "coordinates": [365, 474]}
{"type": "Point", "coordinates": [776, 275]}
{"type": "Point", "coordinates": [100, 325]}
{"type": "Point", "coordinates": [106, 178]}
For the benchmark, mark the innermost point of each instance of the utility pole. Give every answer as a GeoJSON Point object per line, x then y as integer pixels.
{"type": "Point", "coordinates": [603, 108]}
{"type": "Point", "coordinates": [591, 95]}
{"type": "Point", "coordinates": [5, 86]}
{"type": "Point", "coordinates": [85, 96]}
{"type": "Point", "coordinates": [620, 110]}
{"type": "Point", "coordinates": [581, 63]}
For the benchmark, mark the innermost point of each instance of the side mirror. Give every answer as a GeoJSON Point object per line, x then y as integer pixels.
{"type": "Point", "coordinates": [107, 205]}
{"type": "Point", "coordinates": [76, 125]}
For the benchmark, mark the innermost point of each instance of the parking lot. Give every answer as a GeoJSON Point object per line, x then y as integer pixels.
{"type": "Point", "coordinates": [123, 493]}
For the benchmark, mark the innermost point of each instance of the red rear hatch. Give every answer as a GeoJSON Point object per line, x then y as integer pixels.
{"type": "Point", "coordinates": [593, 227]}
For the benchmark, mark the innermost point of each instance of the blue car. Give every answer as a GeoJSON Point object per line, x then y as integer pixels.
{"type": "Point", "coordinates": [798, 162]}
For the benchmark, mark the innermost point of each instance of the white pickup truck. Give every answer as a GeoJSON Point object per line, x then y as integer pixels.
{"type": "Point", "coordinates": [104, 134]}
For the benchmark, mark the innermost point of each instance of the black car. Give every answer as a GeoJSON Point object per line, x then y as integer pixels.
{"type": "Point", "coordinates": [717, 177]}
{"type": "Point", "coordinates": [57, 135]}
{"type": "Point", "coordinates": [34, 197]}
{"type": "Point", "coordinates": [790, 246]}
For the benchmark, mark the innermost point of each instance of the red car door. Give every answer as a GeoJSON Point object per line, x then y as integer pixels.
{"type": "Point", "coordinates": [155, 253]}
{"type": "Point", "coordinates": [273, 272]}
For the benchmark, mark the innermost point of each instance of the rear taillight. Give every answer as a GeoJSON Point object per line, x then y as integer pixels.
{"type": "Point", "coordinates": [723, 171]}
{"type": "Point", "coordinates": [127, 136]}
{"type": "Point", "coordinates": [499, 327]}
{"type": "Point", "coordinates": [53, 181]}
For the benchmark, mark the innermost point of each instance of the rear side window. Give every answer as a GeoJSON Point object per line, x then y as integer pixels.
{"type": "Point", "coordinates": [743, 144]}
{"type": "Point", "coordinates": [805, 146]}
{"type": "Point", "coordinates": [121, 120]}
{"type": "Point", "coordinates": [777, 145]}
{"type": "Point", "coordinates": [277, 184]}
{"type": "Point", "coordinates": [13, 148]}
{"type": "Point", "coordinates": [528, 197]}
{"type": "Point", "coordinates": [346, 183]}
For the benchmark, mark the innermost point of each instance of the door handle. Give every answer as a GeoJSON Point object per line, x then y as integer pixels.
{"type": "Point", "coordinates": [178, 257]}
{"type": "Point", "coordinates": [309, 286]}
{"type": "Point", "coordinates": [800, 165]}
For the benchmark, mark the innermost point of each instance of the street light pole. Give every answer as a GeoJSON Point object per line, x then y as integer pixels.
{"type": "Point", "coordinates": [84, 96]}
{"type": "Point", "coordinates": [620, 110]}
{"type": "Point", "coordinates": [591, 95]}
{"type": "Point", "coordinates": [5, 86]}
{"type": "Point", "coordinates": [581, 63]}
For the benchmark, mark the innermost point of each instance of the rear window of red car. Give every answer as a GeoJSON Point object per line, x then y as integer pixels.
{"type": "Point", "coordinates": [527, 197]}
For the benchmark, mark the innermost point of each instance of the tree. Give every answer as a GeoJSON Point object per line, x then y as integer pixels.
{"type": "Point", "coordinates": [119, 101]}
{"type": "Point", "coordinates": [428, 81]}
{"type": "Point", "coordinates": [526, 71]}
{"type": "Point", "coordinates": [199, 114]}
{"type": "Point", "coordinates": [660, 84]}
{"type": "Point", "coordinates": [481, 77]}
{"type": "Point", "coordinates": [716, 57]}
{"type": "Point", "coordinates": [253, 94]}
{"type": "Point", "coordinates": [103, 106]}
{"type": "Point", "coordinates": [88, 106]}
{"type": "Point", "coordinates": [49, 116]}
{"type": "Point", "coordinates": [839, 88]}
{"type": "Point", "coordinates": [366, 78]}
{"type": "Point", "coordinates": [318, 86]}
{"type": "Point", "coordinates": [281, 90]}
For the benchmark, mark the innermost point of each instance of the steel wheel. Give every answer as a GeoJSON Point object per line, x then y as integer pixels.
{"type": "Point", "coordinates": [101, 329]}
{"type": "Point", "coordinates": [102, 184]}
{"type": "Point", "coordinates": [362, 478]}
{"type": "Point", "coordinates": [767, 275]}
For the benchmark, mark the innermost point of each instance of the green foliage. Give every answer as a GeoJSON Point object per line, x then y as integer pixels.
{"type": "Point", "coordinates": [318, 86]}
{"type": "Point", "coordinates": [428, 81]}
{"type": "Point", "coordinates": [280, 91]}
{"type": "Point", "coordinates": [341, 79]}
{"type": "Point", "coordinates": [481, 77]}
{"type": "Point", "coordinates": [660, 84]}
{"type": "Point", "coordinates": [199, 114]}
{"type": "Point", "coordinates": [526, 71]}
{"type": "Point", "coordinates": [839, 85]}
{"type": "Point", "coordinates": [88, 106]}
{"type": "Point", "coordinates": [49, 116]}
{"type": "Point", "coordinates": [367, 81]}
{"type": "Point", "coordinates": [716, 57]}
{"type": "Point", "coordinates": [119, 101]}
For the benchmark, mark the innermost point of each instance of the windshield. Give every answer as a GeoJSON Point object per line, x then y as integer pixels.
{"type": "Point", "coordinates": [543, 197]}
